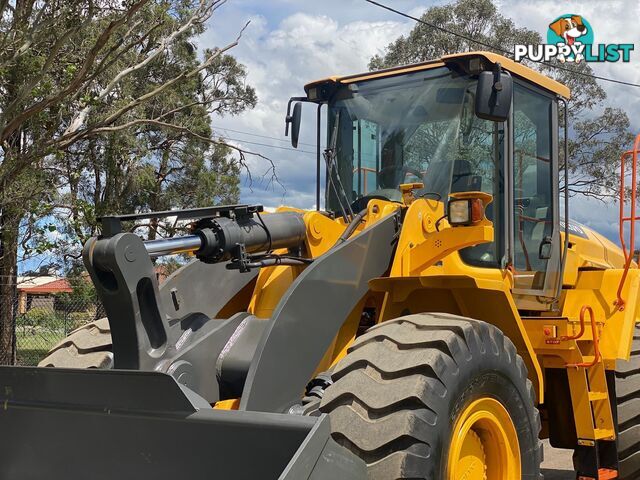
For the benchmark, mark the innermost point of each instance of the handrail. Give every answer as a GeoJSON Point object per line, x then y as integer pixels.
{"type": "Point", "coordinates": [632, 218]}
{"type": "Point", "coordinates": [580, 333]}
{"type": "Point", "coordinates": [596, 340]}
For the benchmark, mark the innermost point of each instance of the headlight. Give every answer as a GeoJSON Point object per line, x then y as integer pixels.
{"type": "Point", "coordinates": [465, 211]}
{"type": "Point", "coordinates": [459, 212]}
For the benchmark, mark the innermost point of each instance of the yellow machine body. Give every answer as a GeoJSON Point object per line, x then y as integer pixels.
{"type": "Point", "coordinates": [433, 322]}
{"type": "Point", "coordinates": [429, 275]}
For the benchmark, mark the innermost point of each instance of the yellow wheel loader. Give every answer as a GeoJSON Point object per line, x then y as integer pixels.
{"type": "Point", "coordinates": [436, 321]}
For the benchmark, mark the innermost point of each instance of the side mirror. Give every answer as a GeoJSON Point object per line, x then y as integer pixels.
{"type": "Point", "coordinates": [546, 248]}
{"type": "Point", "coordinates": [294, 120]}
{"type": "Point", "coordinates": [493, 95]}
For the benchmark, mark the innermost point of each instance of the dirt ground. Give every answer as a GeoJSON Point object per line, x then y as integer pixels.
{"type": "Point", "coordinates": [557, 464]}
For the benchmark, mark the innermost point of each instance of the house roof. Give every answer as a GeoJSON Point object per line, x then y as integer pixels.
{"type": "Point", "coordinates": [44, 284]}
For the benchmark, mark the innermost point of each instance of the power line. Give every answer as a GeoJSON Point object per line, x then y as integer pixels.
{"type": "Point", "coordinates": [262, 136]}
{"type": "Point", "coordinates": [271, 146]}
{"type": "Point", "coordinates": [494, 47]}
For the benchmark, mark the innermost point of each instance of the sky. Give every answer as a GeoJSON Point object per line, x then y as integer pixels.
{"type": "Point", "coordinates": [291, 42]}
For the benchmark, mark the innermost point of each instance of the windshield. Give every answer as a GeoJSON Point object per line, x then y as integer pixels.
{"type": "Point", "coordinates": [416, 127]}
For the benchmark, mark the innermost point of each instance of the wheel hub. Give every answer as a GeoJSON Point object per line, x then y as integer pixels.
{"type": "Point", "coordinates": [484, 444]}
{"type": "Point", "coordinates": [472, 463]}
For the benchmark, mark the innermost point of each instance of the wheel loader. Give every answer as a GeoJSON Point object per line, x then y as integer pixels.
{"type": "Point", "coordinates": [437, 319]}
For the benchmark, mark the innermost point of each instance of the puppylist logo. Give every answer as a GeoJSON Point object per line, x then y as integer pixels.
{"type": "Point", "coordinates": [570, 38]}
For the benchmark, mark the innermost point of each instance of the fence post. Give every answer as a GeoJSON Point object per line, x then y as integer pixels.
{"type": "Point", "coordinates": [14, 326]}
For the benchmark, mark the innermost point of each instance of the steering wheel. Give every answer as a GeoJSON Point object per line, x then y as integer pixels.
{"type": "Point", "coordinates": [404, 170]}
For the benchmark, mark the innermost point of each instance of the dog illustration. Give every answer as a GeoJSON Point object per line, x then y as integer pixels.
{"type": "Point", "coordinates": [569, 29]}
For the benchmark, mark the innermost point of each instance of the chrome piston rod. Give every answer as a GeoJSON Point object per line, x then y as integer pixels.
{"type": "Point", "coordinates": [171, 246]}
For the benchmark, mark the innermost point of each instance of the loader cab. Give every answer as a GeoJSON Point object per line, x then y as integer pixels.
{"type": "Point", "coordinates": [420, 124]}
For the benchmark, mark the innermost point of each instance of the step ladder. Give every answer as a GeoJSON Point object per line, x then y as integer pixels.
{"type": "Point", "coordinates": [589, 391]}
{"type": "Point", "coordinates": [591, 402]}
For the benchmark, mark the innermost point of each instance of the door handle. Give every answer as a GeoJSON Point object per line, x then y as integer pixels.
{"type": "Point", "coordinates": [544, 252]}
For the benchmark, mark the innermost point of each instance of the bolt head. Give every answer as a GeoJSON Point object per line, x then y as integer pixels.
{"type": "Point", "coordinates": [129, 254]}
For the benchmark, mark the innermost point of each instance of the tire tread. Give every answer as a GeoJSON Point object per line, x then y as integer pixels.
{"type": "Point", "coordinates": [86, 347]}
{"type": "Point", "coordinates": [386, 392]}
{"type": "Point", "coordinates": [627, 381]}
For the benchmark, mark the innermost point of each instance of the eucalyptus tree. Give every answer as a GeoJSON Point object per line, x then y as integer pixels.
{"type": "Point", "coordinates": [94, 94]}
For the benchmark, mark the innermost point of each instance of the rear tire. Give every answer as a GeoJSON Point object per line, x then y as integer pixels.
{"type": "Point", "coordinates": [406, 382]}
{"type": "Point", "coordinates": [627, 381]}
{"type": "Point", "coordinates": [86, 347]}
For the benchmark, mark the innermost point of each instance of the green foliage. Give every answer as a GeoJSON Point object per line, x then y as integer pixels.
{"type": "Point", "coordinates": [597, 134]}
{"type": "Point", "coordinates": [78, 319]}
{"type": "Point", "coordinates": [106, 107]}
{"type": "Point", "coordinates": [83, 296]}
{"type": "Point", "coordinates": [40, 317]}
{"type": "Point", "coordinates": [171, 264]}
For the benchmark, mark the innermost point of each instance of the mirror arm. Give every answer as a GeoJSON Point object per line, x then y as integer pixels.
{"type": "Point", "coordinates": [289, 118]}
{"type": "Point", "coordinates": [497, 84]}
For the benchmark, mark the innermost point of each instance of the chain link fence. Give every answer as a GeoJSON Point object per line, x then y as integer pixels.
{"type": "Point", "coordinates": [38, 312]}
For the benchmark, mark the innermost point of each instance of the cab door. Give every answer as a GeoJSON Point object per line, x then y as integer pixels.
{"type": "Point", "coordinates": [535, 237]}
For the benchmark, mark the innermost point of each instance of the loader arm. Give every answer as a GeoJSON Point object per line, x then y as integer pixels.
{"type": "Point", "coordinates": [179, 334]}
{"type": "Point", "coordinates": [310, 315]}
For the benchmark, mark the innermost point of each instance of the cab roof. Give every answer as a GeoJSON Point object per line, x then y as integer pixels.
{"type": "Point", "coordinates": [516, 69]}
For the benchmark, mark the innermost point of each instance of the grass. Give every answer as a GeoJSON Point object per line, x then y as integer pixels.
{"type": "Point", "coordinates": [33, 343]}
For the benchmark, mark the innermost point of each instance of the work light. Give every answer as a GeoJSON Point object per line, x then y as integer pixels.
{"type": "Point", "coordinates": [468, 210]}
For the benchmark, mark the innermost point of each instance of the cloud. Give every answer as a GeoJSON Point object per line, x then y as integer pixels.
{"type": "Point", "coordinates": [597, 215]}
{"type": "Point", "coordinates": [290, 43]}
{"type": "Point", "coordinates": [613, 23]}
{"type": "Point", "coordinates": [302, 48]}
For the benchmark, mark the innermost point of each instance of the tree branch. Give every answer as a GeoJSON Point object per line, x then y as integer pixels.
{"type": "Point", "coordinates": [201, 15]}
{"type": "Point", "coordinates": [107, 62]}
{"type": "Point", "coordinates": [25, 89]}
{"type": "Point", "coordinates": [71, 136]}
{"type": "Point", "coordinates": [77, 81]}
{"type": "Point", "coordinates": [179, 128]}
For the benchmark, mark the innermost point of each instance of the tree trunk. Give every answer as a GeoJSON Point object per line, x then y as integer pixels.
{"type": "Point", "coordinates": [9, 234]}
{"type": "Point", "coordinates": [8, 290]}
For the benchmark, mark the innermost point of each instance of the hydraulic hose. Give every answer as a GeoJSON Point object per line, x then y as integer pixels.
{"type": "Point", "coordinates": [353, 224]}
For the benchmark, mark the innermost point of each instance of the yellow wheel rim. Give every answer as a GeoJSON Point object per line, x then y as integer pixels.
{"type": "Point", "coordinates": [484, 445]}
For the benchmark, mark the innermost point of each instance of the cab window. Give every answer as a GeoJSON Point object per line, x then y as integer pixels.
{"type": "Point", "coordinates": [532, 187]}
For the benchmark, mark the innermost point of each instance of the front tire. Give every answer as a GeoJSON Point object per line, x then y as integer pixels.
{"type": "Point", "coordinates": [415, 396]}
{"type": "Point", "coordinates": [89, 346]}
